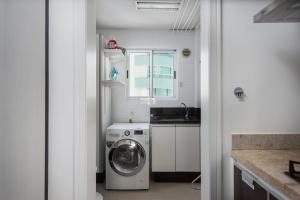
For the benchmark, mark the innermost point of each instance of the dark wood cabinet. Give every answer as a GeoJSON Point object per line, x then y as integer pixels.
{"type": "Point", "coordinates": [272, 197]}
{"type": "Point", "coordinates": [242, 191]}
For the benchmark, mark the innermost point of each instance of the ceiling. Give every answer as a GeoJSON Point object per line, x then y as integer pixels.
{"type": "Point", "coordinates": [122, 14]}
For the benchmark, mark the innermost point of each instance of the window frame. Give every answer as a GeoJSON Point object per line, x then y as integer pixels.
{"type": "Point", "coordinates": [151, 95]}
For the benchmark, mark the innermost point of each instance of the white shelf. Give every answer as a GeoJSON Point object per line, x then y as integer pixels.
{"type": "Point", "coordinates": [112, 83]}
{"type": "Point", "coordinates": [113, 51]}
{"type": "Point", "coordinates": [114, 55]}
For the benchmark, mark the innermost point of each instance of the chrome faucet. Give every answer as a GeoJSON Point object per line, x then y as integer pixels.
{"type": "Point", "coordinates": [186, 110]}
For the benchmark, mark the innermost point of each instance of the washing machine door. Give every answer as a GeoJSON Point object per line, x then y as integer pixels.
{"type": "Point", "coordinates": [127, 157]}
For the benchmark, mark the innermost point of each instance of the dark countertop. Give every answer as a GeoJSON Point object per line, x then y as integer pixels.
{"type": "Point", "coordinates": [174, 115]}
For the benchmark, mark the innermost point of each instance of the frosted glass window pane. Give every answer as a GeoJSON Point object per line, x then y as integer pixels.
{"type": "Point", "coordinates": [163, 74]}
{"type": "Point", "coordinates": [139, 74]}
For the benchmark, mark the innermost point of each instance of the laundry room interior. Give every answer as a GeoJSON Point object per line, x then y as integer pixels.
{"type": "Point", "coordinates": [148, 99]}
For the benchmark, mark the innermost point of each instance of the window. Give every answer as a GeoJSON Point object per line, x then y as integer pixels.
{"type": "Point", "coordinates": [151, 73]}
{"type": "Point", "coordinates": [139, 78]}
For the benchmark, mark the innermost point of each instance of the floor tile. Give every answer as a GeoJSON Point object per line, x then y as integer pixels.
{"type": "Point", "coordinates": [157, 191]}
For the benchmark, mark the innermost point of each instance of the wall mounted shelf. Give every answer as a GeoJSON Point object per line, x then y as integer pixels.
{"type": "Point", "coordinates": [114, 51]}
{"type": "Point", "coordinates": [112, 83]}
{"type": "Point", "coordinates": [114, 55]}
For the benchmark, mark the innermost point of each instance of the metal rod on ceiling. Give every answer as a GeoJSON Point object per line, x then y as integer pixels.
{"type": "Point", "coordinates": [174, 25]}
{"type": "Point", "coordinates": [191, 13]}
{"type": "Point", "coordinates": [196, 23]}
{"type": "Point", "coordinates": [177, 18]}
{"type": "Point", "coordinates": [193, 18]}
{"type": "Point", "coordinates": [197, 26]}
{"type": "Point", "coordinates": [187, 4]}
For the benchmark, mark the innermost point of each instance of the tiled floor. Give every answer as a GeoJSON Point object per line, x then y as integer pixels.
{"type": "Point", "coordinates": [158, 191]}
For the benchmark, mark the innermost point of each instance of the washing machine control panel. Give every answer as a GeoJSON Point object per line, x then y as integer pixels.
{"type": "Point", "coordinates": [134, 132]}
{"type": "Point", "coordinates": [138, 132]}
{"type": "Point", "coordinates": [127, 133]}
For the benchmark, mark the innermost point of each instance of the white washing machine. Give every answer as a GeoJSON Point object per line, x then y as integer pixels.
{"type": "Point", "coordinates": [127, 156]}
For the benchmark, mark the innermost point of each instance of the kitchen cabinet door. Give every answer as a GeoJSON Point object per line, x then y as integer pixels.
{"type": "Point", "coordinates": [188, 149]}
{"type": "Point", "coordinates": [244, 192]}
{"type": "Point", "coordinates": [163, 148]}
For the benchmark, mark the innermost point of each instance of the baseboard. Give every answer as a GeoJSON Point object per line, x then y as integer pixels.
{"type": "Point", "coordinates": [100, 177]}
{"type": "Point", "coordinates": [175, 176]}
{"type": "Point", "coordinates": [163, 176]}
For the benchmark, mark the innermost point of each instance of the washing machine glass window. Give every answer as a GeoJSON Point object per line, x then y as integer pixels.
{"type": "Point", "coordinates": [127, 157]}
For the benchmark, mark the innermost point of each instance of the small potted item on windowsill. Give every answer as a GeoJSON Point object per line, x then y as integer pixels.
{"type": "Point", "coordinates": [112, 44]}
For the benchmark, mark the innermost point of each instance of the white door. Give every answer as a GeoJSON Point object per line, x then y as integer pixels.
{"type": "Point", "coordinates": [163, 149]}
{"type": "Point", "coordinates": [188, 149]}
{"type": "Point", "coordinates": [22, 96]}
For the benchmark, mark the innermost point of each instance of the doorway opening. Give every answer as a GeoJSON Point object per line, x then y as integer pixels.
{"type": "Point", "coordinates": [148, 99]}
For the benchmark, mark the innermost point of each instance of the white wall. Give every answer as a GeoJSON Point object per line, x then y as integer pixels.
{"type": "Point", "coordinates": [22, 92]}
{"type": "Point", "coordinates": [264, 59]}
{"type": "Point", "coordinates": [2, 25]}
{"type": "Point", "coordinates": [91, 81]}
{"type": "Point", "coordinates": [61, 100]}
{"type": "Point", "coordinates": [154, 39]}
{"type": "Point", "coordinates": [197, 66]}
{"type": "Point", "coordinates": [104, 107]}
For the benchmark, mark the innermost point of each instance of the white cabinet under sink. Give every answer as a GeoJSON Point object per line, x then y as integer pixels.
{"type": "Point", "coordinates": [163, 148]}
{"type": "Point", "coordinates": [175, 148]}
{"type": "Point", "coordinates": [187, 148]}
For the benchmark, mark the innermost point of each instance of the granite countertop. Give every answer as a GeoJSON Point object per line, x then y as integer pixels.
{"type": "Point", "coordinates": [175, 121]}
{"type": "Point", "coordinates": [270, 165]}
{"type": "Point", "coordinates": [174, 115]}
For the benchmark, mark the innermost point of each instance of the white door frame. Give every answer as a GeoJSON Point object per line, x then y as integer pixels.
{"type": "Point", "coordinates": [72, 147]}
{"type": "Point", "coordinates": [211, 100]}
{"type": "Point", "coordinates": [85, 111]}
{"type": "Point", "coordinates": [73, 133]}
{"type": "Point", "coordinates": [80, 189]}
